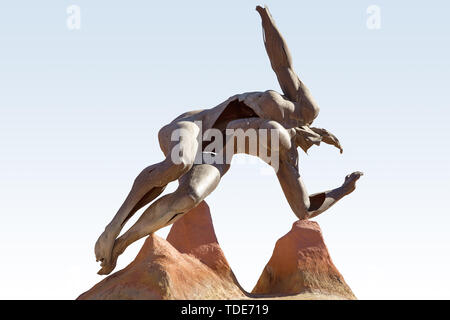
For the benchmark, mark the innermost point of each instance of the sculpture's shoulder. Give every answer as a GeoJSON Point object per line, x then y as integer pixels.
{"type": "Point", "coordinates": [189, 115]}
{"type": "Point", "coordinates": [269, 105]}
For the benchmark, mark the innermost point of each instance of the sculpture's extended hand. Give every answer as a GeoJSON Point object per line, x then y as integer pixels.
{"type": "Point", "coordinates": [328, 138]}
{"type": "Point", "coordinates": [306, 136]}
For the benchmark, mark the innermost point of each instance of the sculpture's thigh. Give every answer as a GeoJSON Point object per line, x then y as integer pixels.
{"type": "Point", "coordinates": [194, 187]}
{"type": "Point", "coordinates": [199, 182]}
{"type": "Point", "coordinates": [272, 128]}
{"type": "Point", "coordinates": [181, 133]}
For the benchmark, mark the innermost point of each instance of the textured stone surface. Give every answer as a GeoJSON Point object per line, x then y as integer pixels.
{"type": "Point", "coordinates": [300, 263]}
{"type": "Point", "coordinates": [191, 265]}
{"type": "Point", "coordinates": [188, 265]}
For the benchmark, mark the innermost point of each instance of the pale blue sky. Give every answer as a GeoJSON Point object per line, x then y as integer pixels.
{"type": "Point", "coordinates": [80, 110]}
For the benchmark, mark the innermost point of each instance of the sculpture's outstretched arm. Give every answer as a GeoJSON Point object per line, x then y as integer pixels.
{"type": "Point", "coordinates": [279, 55]}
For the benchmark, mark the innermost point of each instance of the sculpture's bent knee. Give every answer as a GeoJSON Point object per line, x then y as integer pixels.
{"type": "Point", "coordinates": [186, 202]}
{"type": "Point", "coordinates": [284, 139]}
{"type": "Point", "coordinates": [301, 208]}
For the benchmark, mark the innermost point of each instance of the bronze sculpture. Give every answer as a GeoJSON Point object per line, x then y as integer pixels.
{"type": "Point", "coordinates": [288, 115]}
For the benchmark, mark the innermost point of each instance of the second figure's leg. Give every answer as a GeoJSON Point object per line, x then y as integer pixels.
{"type": "Point", "coordinates": [322, 201]}
{"type": "Point", "coordinates": [194, 186]}
{"type": "Point", "coordinates": [150, 183]}
{"type": "Point", "coordinates": [307, 206]}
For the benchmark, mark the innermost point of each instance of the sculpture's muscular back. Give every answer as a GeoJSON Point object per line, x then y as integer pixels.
{"type": "Point", "coordinates": [268, 105]}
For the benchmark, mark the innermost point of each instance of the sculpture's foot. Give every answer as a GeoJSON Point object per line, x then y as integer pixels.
{"type": "Point", "coordinates": [104, 246]}
{"type": "Point", "coordinates": [109, 265]}
{"type": "Point", "coordinates": [350, 181]}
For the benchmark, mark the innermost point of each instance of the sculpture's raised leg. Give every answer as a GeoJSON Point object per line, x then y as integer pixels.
{"type": "Point", "coordinates": [322, 201]}
{"type": "Point", "coordinates": [150, 183]}
{"type": "Point", "coordinates": [194, 187]}
{"type": "Point", "coordinates": [307, 206]}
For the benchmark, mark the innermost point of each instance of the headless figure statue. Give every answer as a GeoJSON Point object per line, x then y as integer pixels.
{"type": "Point", "coordinates": [291, 114]}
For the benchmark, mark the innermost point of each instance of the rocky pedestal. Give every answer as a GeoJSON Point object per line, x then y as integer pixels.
{"type": "Point", "coordinates": [190, 264]}
{"type": "Point", "coordinates": [300, 263]}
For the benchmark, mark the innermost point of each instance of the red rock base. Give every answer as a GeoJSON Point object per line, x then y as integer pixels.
{"type": "Point", "coordinates": [191, 265]}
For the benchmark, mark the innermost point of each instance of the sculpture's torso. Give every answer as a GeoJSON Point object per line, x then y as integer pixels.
{"type": "Point", "coordinates": [268, 105]}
